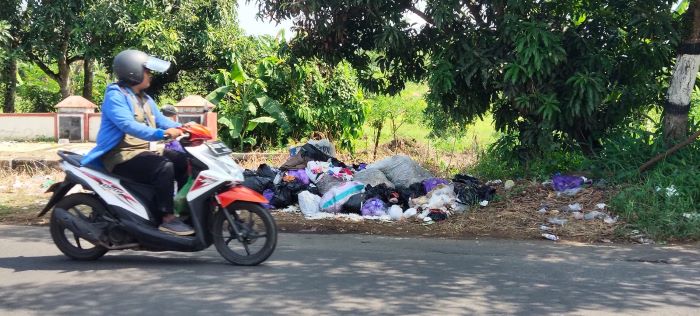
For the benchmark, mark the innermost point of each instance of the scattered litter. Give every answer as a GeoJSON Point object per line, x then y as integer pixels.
{"type": "Point", "coordinates": [575, 207]}
{"type": "Point", "coordinates": [610, 220]}
{"type": "Point", "coordinates": [545, 228]}
{"type": "Point", "coordinates": [557, 221]}
{"type": "Point", "coordinates": [484, 203]}
{"type": "Point", "coordinates": [437, 215]}
{"type": "Point", "coordinates": [551, 237]}
{"type": "Point", "coordinates": [578, 215]}
{"type": "Point", "coordinates": [691, 215]}
{"type": "Point", "coordinates": [291, 209]}
{"type": "Point", "coordinates": [494, 182]}
{"type": "Point", "coordinates": [509, 184]}
{"type": "Point", "coordinates": [423, 214]}
{"type": "Point", "coordinates": [670, 191]}
{"type": "Point", "coordinates": [594, 215]}
{"type": "Point", "coordinates": [542, 210]}
{"type": "Point", "coordinates": [607, 241]}
{"type": "Point", "coordinates": [600, 206]}
{"type": "Point", "coordinates": [374, 207]}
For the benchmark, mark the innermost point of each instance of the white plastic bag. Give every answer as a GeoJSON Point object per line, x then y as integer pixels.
{"type": "Point", "coordinates": [309, 203]}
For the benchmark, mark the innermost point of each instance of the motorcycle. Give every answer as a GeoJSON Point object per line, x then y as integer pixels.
{"type": "Point", "coordinates": [115, 212]}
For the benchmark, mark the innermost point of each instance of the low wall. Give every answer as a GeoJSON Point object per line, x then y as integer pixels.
{"type": "Point", "coordinates": [94, 121]}
{"type": "Point", "coordinates": [28, 126]}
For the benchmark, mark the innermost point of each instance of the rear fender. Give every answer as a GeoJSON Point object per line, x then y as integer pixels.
{"type": "Point", "coordinates": [59, 189]}
{"type": "Point", "coordinates": [240, 193]}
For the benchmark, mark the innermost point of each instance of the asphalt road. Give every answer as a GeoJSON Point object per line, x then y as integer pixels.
{"type": "Point", "coordinates": [353, 275]}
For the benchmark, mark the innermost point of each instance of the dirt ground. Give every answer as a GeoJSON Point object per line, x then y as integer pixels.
{"type": "Point", "coordinates": [512, 215]}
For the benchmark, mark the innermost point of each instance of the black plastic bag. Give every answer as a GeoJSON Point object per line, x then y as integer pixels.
{"type": "Point", "coordinates": [470, 191]}
{"type": "Point", "coordinates": [258, 184]}
{"type": "Point", "coordinates": [266, 171]}
{"type": "Point", "coordinates": [354, 204]}
{"type": "Point", "coordinates": [286, 194]}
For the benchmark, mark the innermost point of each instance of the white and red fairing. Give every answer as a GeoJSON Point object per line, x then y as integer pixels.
{"type": "Point", "coordinates": [108, 188]}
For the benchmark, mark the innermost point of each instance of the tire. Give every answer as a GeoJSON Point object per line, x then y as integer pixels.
{"type": "Point", "coordinates": [58, 231]}
{"type": "Point", "coordinates": [221, 228]}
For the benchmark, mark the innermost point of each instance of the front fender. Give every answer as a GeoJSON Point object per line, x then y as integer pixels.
{"type": "Point", "coordinates": [240, 193]}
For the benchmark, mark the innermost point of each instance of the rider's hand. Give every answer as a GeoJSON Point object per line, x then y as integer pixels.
{"type": "Point", "coordinates": [173, 132]}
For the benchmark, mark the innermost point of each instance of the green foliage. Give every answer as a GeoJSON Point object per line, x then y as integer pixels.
{"type": "Point", "coordinates": [548, 71]}
{"type": "Point", "coordinates": [35, 92]}
{"type": "Point", "coordinates": [239, 98]}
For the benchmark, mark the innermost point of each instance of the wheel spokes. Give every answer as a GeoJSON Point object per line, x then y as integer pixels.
{"type": "Point", "coordinates": [77, 241]}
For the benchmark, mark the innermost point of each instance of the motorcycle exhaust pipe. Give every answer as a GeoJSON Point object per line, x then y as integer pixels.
{"type": "Point", "coordinates": [77, 225]}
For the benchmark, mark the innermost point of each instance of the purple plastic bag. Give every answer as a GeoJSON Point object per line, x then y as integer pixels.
{"type": "Point", "coordinates": [374, 207]}
{"type": "Point", "coordinates": [268, 194]}
{"type": "Point", "coordinates": [563, 183]}
{"type": "Point", "coordinates": [300, 174]}
{"type": "Point", "coordinates": [430, 184]}
{"type": "Point", "coordinates": [175, 146]}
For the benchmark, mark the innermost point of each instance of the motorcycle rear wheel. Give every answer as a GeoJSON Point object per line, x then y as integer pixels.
{"type": "Point", "coordinates": [254, 224]}
{"type": "Point", "coordinates": [88, 207]}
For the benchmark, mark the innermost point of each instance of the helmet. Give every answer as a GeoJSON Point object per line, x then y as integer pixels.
{"type": "Point", "coordinates": [129, 65]}
{"type": "Point", "coordinates": [168, 110]}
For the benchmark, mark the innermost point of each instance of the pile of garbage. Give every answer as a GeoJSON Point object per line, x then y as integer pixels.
{"type": "Point", "coordinates": [391, 189]}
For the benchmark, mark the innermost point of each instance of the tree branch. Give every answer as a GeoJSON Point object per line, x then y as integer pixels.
{"type": "Point", "coordinates": [74, 59]}
{"type": "Point", "coordinates": [422, 15]}
{"type": "Point", "coordinates": [43, 67]}
{"type": "Point", "coordinates": [475, 10]}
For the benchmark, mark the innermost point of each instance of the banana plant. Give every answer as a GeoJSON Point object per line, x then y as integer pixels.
{"type": "Point", "coordinates": [241, 98]}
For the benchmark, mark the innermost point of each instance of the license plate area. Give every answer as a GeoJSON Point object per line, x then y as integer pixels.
{"type": "Point", "coordinates": [218, 148]}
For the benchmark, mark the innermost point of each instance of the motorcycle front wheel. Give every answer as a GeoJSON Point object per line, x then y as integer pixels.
{"type": "Point", "coordinates": [251, 241]}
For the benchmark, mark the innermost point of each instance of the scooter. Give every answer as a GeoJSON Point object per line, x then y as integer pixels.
{"type": "Point", "coordinates": [115, 213]}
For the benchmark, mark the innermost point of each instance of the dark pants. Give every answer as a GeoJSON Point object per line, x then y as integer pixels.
{"type": "Point", "coordinates": [159, 172]}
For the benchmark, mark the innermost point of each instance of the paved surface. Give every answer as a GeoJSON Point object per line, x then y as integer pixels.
{"type": "Point", "coordinates": [354, 275]}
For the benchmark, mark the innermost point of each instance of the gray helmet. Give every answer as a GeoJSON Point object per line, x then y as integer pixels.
{"type": "Point", "coordinates": [129, 65]}
{"type": "Point", "coordinates": [168, 110]}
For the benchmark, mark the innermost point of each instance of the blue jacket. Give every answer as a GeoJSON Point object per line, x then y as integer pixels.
{"type": "Point", "coordinates": [118, 120]}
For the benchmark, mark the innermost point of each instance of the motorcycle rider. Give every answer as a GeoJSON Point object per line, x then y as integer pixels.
{"type": "Point", "coordinates": [130, 122]}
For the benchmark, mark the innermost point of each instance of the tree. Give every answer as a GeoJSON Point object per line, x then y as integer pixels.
{"type": "Point", "coordinates": [13, 17]}
{"type": "Point", "coordinates": [548, 71]}
{"type": "Point", "coordinates": [675, 126]}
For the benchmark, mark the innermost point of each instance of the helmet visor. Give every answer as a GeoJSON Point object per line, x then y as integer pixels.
{"type": "Point", "coordinates": [157, 65]}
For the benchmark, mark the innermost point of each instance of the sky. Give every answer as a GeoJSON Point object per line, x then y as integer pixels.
{"type": "Point", "coordinates": [253, 26]}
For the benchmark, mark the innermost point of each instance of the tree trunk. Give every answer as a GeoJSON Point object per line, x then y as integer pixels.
{"type": "Point", "coordinates": [64, 77]}
{"type": "Point", "coordinates": [88, 73]}
{"type": "Point", "coordinates": [675, 123]}
{"type": "Point", "coordinates": [10, 85]}
{"type": "Point", "coordinates": [376, 138]}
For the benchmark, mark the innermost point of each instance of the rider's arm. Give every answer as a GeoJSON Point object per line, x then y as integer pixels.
{"type": "Point", "coordinates": [116, 108]}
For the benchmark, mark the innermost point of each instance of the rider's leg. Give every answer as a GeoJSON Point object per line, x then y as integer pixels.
{"type": "Point", "coordinates": [179, 161]}
{"type": "Point", "coordinates": [157, 171]}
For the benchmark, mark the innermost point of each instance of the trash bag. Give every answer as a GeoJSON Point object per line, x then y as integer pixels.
{"type": "Point", "coordinates": [563, 183]}
{"type": "Point", "coordinates": [333, 200]}
{"type": "Point", "coordinates": [430, 184]}
{"type": "Point", "coordinates": [313, 153]}
{"type": "Point", "coordinates": [286, 194]}
{"type": "Point", "coordinates": [324, 145]}
{"type": "Point", "coordinates": [395, 212]}
{"type": "Point", "coordinates": [326, 182]}
{"type": "Point", "coordinates": [374, 207]}
{"type": "Point", "coordinates": [258, 183]}
{"type": "Point", "coordinates": [354, 204]}
{"type": "Point", "coordinates": [380, 191]}
{"type": "Point", "coordinates": [266, 171]}
{"type": "Point", "coordinates": [372, 177]}
{"type": "Point", "coordinates": [268, 194]}
{"type": "Point", "coordinates": [300, 175]}
{"type": "Point", "coordinates": [297, 161]}
{"type": "Point", "coordinates": [309, 203]}
{"type": "Point", "coordinates": [401, 170]}
{"type": "Point", "coordinates": [470, 191]}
